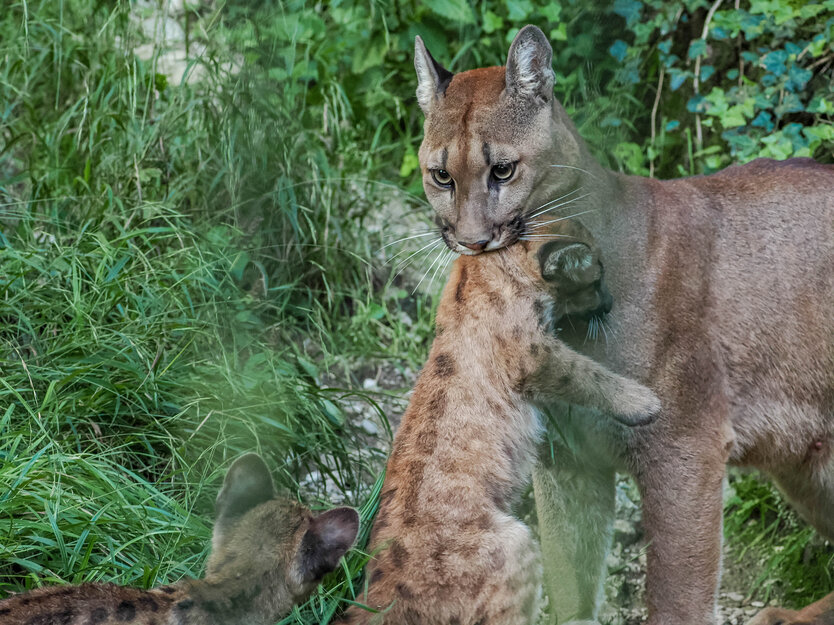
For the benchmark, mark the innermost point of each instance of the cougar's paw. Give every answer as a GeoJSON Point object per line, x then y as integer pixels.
{"type": "Point", "coordinates": [636, 404]}
{"type": "Point", "coordinates": [773, 616]}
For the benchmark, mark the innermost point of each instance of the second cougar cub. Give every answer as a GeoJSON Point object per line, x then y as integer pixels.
{"type": "Point", "coordinates": [267, 554]}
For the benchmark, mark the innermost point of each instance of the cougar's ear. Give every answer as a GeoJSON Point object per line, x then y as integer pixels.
{"type": "Point", "coordinates": [574, 263]}
{"type": "Point", "coordinates": [328, 538]}
{"type": "Point", "coordinates": [529, 65]}
{"type": "Point", "coordinates": [247, 484]}
{"type": "Point", "coordinates": [432, 77]}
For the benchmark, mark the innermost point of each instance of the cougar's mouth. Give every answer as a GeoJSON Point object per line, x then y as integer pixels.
{"type": "Point", "coordinates": [502, 235]}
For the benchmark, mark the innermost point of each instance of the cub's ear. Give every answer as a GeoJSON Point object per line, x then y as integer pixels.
{"type": "Point", "coordinates": [247, 484]}
{"type": "Point", "coordinates": [432, 77]}
{"type": "Point", "coordinates": [328, 538]}
{"type": "Point", "coordinates": [529, 65]}
{"type": "Point", "coordinates": [574, 263]}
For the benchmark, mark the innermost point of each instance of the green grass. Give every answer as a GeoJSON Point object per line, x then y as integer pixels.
{"type": "Point", "coordinates": [190, 271]}
{"type": "Point", "coordinates": [177, 278]}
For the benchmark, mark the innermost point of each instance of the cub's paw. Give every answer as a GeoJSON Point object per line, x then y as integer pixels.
{"type": "Point", "coordinates": [635, 404]}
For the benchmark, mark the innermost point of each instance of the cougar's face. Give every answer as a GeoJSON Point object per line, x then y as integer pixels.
{"type": "Point", "coordinates": [481, 159]}
{"type": "Point", "coordinates": [490, 139]}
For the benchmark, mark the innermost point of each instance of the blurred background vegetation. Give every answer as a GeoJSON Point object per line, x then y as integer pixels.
{"type": "Point", "coordinates": [193, 201]}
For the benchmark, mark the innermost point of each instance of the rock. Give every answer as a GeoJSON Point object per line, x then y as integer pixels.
{"type": "Point", "coordinates": [369, 427]}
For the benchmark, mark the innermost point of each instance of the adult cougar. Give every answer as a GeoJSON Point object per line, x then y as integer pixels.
{"type": "Point", "coordinates": [724, 305]}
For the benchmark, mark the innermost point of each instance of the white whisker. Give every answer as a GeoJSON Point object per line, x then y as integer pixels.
{"type": "Point", "coordinates": [585, 171]}
{"type": "Point", "coordinates": [604, 331]}
{"type": "Point", "coordinates": [570, 201]}
{"type": "Point", "coordinates": [434, 262]}
{"type": "Point", "coordinates": [543, 237]}
{"type": "Point", "coordinates": [406, 262]}
{"type": "Point", "coordinates": [418, 251]}
{"type": "Point", "coordinates": [553, 221]}
{"type": "Point", "coordinates": [546, 206]}
{"type": "Point", "coordinates": [408, 238]}
{"type": "Point", "coordinates": [440, 269]}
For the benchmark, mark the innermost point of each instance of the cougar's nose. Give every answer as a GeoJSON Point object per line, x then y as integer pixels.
{"type": "Point", "coordinates": [478, 246]}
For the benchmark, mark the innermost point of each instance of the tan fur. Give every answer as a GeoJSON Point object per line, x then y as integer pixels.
{"type": "Point", "coordinates": [447, 546]}
{"type": "Point", "coordinates": [723, 288]}
{"type": "Point", "coordinates": [268, 554]}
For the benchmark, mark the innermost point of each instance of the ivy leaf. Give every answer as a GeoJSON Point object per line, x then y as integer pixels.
{"type": "Point", "coordinates": [697, 48]}
{"type": "Point", "coordinates": [672, 125]}
{"type": "Point", "coordinates": [629, 9]}
{"type": "Point", "coordinates": [798, 77]}
{"type": "Point", "coordinates": [706, 72]}
{"type": "Point", "coordinates": [492, 22]}
{"type": "Point", "coordinates": [678, 78]}
{"type": "Point", "coordinates": [551, 11]}
{"type": "Point", "coordinates": [618, 50]}
{"type": "Point", "coordinates": [560, 33]}
{"type": "Point", "coordinates": [455, 10]}
{"type": "Point", "coordinates": [763, 120]}
{"type": "Point", "coordinates": [774, 62]}
{"type": "Point", "coordinates": [519, 10]}
{"type": "Point", "coordinates": [697, 104]}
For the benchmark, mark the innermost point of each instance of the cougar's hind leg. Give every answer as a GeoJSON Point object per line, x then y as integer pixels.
{"type": "Point", "coordinates": [575, 507]}
{"type": "Point", "coordinates": [810, 488]}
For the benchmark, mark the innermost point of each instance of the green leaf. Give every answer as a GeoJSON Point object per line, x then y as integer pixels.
{"type": "Point", "coordinates": [519, 10]}
{"type": "Point", "coordinates": [697, 48]}
{"type": "Point", "coordinates": [618, 50]}
{"type": "Point", "coordinates": [455, 10]}
{"type": "Point", "coordinates": [492, 22]}
{"type": "Point", "coordinates": [560, 33]}
{"type": "Point", "coordinates": [409, 164]}
{"type": "Point", "coordinates": [552, 11]}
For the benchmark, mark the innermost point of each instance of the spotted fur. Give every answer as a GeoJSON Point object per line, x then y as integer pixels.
{"type": "Point", "coordinates": [447, 547]}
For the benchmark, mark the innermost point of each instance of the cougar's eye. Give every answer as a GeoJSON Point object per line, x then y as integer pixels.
{"type": "Point", "coordinates": [442, 177]}
{"type": "Point", "coordinates": [503, 172]}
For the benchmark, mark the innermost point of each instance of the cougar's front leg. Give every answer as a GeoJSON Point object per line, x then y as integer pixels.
{"type": "Point", "coordinates": [575, 508]}
{"type": "Point", "coordinates": [681, 485]}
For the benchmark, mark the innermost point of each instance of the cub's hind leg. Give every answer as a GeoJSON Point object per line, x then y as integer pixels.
{"type": "Point", "coordinates": [514, 595]}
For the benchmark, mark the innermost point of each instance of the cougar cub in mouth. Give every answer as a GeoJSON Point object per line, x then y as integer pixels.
{"type": "Point", "coordinates": [447, 548]}
{"type": "Point", "coordinates": [267, 554]}
{"type": "Point", "coordinates": [724, 292]}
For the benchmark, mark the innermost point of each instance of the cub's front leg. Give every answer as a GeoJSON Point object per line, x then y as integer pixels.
{"type": "Point", "coordinates": [565, 375]}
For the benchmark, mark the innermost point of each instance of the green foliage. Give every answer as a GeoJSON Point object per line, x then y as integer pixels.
{"type": "Point", "coordinates": [740, 82]}
{"type": "Point", "coordinates": [168, 254]}
{"type": "Point", "coordinates": [788, 557]}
